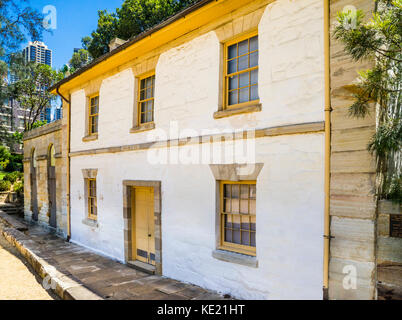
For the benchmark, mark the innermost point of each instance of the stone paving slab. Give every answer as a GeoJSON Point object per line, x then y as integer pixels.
{"type": "Point", "coordinates": [80, 274]}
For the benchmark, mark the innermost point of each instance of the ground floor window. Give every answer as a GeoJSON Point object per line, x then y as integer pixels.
{"type": "Point", "coordinates": [238, 216]}
{"type": "Point", "coordinates": [92, 203]}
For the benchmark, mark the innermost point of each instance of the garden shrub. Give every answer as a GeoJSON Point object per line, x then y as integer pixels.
{"type": "Point", "coordinates": [5, 185]}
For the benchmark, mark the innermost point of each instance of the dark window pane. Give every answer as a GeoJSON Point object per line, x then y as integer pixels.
{"type": "Point", "coordinates": [228, 221]}
{"type": "Point", "coordinates": [228, 235]}
{"type": "Point", "coordinates": [245, 238]}
{"type": "Point", "coordinates": [243, 47]}
{"type": "Point", "coordinates": [233, 99]}
{"type": "Point", "coordinates": [254, 76]}
{"type": "Point", "coordinates": [244, 95]}
{"type": "Point", "coordinates": [254, 92]}
{"type": "Point", "coordinates": [235, 191]}
{"type": "Point", "coordinates": [253, 224]}
{"type": "Point", "coordinates": [232, 51]}
{"type": "Point", "coordinates": [236, 222]}
{"type": "Point", "coordinates": [252, 242]}
{"type": "Point", "coordinates": [149, 93]}
{"type": "Point", "coordinates": [149, 82]}
{"type": "Point", "coordinates": [143, 106]}
{"type": "Point", "coordinates": [232, 66]}
{"type": "Point", "coordinates": [233, 82]}
{"type": "Point", "coordinates": [254, 43]}
{"type": "Point", "coordinates": [243, 63]}
{"type": "Point", "coordinates": [244, 191]}
{"type": "Point", "coordinates": [227, 190]}
{"type": "Point", "coordinates": [253, 59]}
{"type": "Point", "coordinates": [143, 84]}
{"type": "Point", "coordinates": [142, 95]}
{"type": "Point", "coordinates": [236, 237]}
{"type": "Point", "coordinates": [244, 79]}
{"type": "Point", "coordinates": [143, 118]}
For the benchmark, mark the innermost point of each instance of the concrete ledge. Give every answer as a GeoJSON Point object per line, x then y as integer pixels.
{"type": "Point", "coordinates": [143, 127]}
{"type": "Point", "coordinates": [65, 287]}
{"type": "Point", "coordinates": [90, 223]}
{"type": "Point", "coordinates": [237, 258]}
{"type": "Point", "coordinates": [235, 111]}
{"type": "Point", "coordinates": [91, 137]}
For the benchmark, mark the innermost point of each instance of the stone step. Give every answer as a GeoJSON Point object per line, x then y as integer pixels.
{"type": "Point", "coordinates": [142, 266]}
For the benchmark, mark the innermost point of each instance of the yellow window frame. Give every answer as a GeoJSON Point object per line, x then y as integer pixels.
{"type": "Point", "coordinates": [89, 198]}
{"type": "Point", "coordinates": [92, 116]}
{"type": "Point", "coordinates": [139, 110]}
{"type": "Point", "coordinates": [228, 246]}
{"type": "Point", "coordinates": [226, 75]}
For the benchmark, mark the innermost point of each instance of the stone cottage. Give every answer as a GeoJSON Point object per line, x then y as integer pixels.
{"type": "Point", "coordinates": [216, 149]}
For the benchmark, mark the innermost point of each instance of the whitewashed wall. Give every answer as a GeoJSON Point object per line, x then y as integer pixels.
{"type": "Point", "coordinates": [291, 82]}
{"type": "Point", "coordinates": [290, 191]}
{"type": "Point", "coordinates": [289, 218]}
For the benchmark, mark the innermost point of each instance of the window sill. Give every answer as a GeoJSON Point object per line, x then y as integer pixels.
{"type": "Point", "coordinates": [92, 137]}
{"type": "Point", "coordinates": [143, 127]}
{"type": "Point", "coordinates": [241, 110]}
{"type": "Point", "coordinates": [237, 258]}
{"type": "Point", "coordinates": [90, 223]}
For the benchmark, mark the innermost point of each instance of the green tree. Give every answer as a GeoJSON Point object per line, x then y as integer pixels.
{"type": "Point", "coordinates": [17, 20]}
{"type": "Point", "coordinates": [380, 40]}
{"type": "Point", "coordinates": [31, 89]}
{"type": "Point", "coordinates": [134, 17]}
{"type": "Point", "coordinates": [79, 59]}
{"type": "Point", "coordinates": [4, 157]}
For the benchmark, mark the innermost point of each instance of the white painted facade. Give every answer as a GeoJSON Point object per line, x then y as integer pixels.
{"type": "Point", "coordinates": [290, 187]}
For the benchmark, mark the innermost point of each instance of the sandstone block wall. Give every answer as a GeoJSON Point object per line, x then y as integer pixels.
{"type": "Point", "coordinates": [41, 139]}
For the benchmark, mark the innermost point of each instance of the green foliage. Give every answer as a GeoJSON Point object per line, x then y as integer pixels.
{"type": "Point", "coordinates": [5, 156]}
{"type": "Point", "coordinates": [15, 163]}
{"type": "Point", "coordinates": [133, 18]}
{"type": "Point", "coordinates": [31, 89]}
{"type": "Point", "coordinates": [5, 185]}
{"type": "Point", "coordinates": [379, 39]}
{"type": "Point", "coordinates": [79, 59]}
{"type": "Point", "coordinates": [12, 177]}
{"type": "Point", "coordinates": [17, 20]}
{"type": "Point", "coordinates": [19, 187]}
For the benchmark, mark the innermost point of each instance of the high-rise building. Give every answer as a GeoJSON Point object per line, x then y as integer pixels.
{"type": "Point", "coordinates": [38, 52]}
{"type": "Point", "coordinates": [46, 115]}
{"type": "Point", "coordinates": [58, 113]}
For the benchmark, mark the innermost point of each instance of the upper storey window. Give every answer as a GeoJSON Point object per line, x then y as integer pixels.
{"type": "Point", "coordinates": [146, 99]}
{"type": "Point", "coordinates": [241, 71]}
{"type": "Point", "coordinates": [93, 114]}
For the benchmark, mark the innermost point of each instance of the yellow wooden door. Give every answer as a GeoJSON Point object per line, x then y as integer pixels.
{"type": "Point", "coordinates": [143, 225]}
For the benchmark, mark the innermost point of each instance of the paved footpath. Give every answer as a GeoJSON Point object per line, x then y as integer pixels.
{"type": "Point", "coordinates": [77, 273]}
{"type": "Point", "coordinates": [18, 281]}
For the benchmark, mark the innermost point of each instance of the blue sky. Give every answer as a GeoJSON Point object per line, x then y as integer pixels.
{"type": "Point", "coordinates": [75, 19]}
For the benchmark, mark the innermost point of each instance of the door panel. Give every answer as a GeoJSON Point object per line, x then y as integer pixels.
{"type": "Point", "coordinates": [143, 225]}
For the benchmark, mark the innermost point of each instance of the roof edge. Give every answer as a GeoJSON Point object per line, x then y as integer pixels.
{"type": "Point", "coordinates": [133, 40]}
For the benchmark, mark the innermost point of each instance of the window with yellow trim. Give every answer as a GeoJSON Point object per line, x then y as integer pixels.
{"type": "Point", "coordinates": [92, 201]}
{"type": "Point", "coordinates": [93, 114]}
{"type": "Point", "coordinates": [238, 216]}
{"type": "Point", "coordinates": [241, 71]}
{"type": "Point", "coordinates": [146, 99]}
